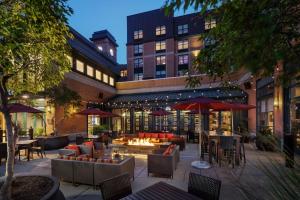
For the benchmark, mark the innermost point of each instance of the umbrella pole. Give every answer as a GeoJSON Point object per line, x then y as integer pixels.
{"type": "Point", "coordinates": [200, 138]}
{"type": "Point", "coordinates": [160, 122]}
{"type": "Point", "coordinates": [232, 122]}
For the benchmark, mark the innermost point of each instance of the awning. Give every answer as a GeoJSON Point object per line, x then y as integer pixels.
{"type": "Point", "coordinates": [177, 96]}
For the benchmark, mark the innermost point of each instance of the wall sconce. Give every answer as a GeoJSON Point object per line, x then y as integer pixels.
{"type": "Point", "coordinates": [276, 103]}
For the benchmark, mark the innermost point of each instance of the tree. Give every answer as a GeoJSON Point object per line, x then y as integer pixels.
{"type": "Point", "coordinates": [33, 56]}
{"type": "Point", "coordinates": [255, 35]}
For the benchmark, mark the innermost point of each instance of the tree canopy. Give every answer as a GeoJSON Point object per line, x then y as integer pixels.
{"type": "Point", "coordinates": [254, 35]}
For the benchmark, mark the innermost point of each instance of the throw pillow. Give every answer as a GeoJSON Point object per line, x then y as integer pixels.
{"type": "Point", "coordinates": [75, 148]}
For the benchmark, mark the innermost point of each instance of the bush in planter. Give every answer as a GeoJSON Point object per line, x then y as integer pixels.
{"type": "Point", "coordinates": [99, 129]}
{"type": "Point", "coordinates": [38, 132]}
{"type": "Point", "coordinates": [265, 140]}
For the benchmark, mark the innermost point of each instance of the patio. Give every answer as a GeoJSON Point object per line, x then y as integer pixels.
{"type": "Point", "coordinates": [229, 189]}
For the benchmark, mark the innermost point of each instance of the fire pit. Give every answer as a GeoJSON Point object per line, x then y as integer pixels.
{"type": "Point", "coordinates": [140, 142]}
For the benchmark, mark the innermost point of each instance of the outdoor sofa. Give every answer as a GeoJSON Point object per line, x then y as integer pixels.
{"type": "Point", "coordinates": [160, 162]}
{"type": "Point", "coordinates": [90, 173]}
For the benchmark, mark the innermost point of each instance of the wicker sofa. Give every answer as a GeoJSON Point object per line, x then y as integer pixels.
{"type": "Point", "coordinates": [159, 163]}
{"type": "Point", "coordinates": [90, 173]}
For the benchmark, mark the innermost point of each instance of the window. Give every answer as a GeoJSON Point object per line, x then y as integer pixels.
{"type": "Point", "coordinates": [183, 44]}
{"type": "Point", "coordinates": [111, 81]}
{"type": "Point", "coordinates": [138, 62]}
{"type": "Point", "coordinates": [111, 52]}
{"type": "Point", "coordinates": [161, 45]}
{"type": "Point", "coordinates": [161, 73]}
{"type": "Point", "coordinates": [105, 78]}
{"type": "Point", "coordinates": [100, 48]}
{"type": "Point", "coordinates": [183, 29]}
{"type": "Point", "coordinates": [138, 34]}
{"type": "Point", "coordinates": [210, 23]}
{"type": "Point", "coordinates": [89, 71]}
{"type": "Point", "coordinates": [123, 73]}
{"type": "Point", "coordinates": [138, 76]}
{"type": "Point", "coordinates": [160, 30]}
{"type": "Point", "coordinates": [98, 75]}
{"type": "Point", "coordinates": [183, 72]}
{"type": "Point", "coordinates": [79, 66]}
{"type": "Point", "coordinates": [209, 41]}
{"type": "Point", "coordinates": [138, 49]}
{"type": "Point", "coordinates": [160, 60]}
{"type": "Point", "coordinates": [183, 59]}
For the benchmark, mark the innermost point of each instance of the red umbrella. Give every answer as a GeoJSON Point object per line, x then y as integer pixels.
{"type": "Point", "coordinates": [97, 112]}
{"type": "Point", "coordinates": [198, 104]}
{"type": "Point", "coordinates": [19, 108]}
{"type": "Point", "coordinates": [160, 113]}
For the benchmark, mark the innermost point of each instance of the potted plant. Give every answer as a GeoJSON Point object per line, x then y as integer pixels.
{"type": "Point", "coordinates": [265, 140]}
{"type": "Point", "coordinates": [98, 129]}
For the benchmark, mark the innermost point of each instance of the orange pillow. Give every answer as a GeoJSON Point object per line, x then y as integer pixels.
{"type": "Point", "coordinates": [161, 135]}
{"type": "Point", "coordinates": [74, 147]}
{"type": "Point", "coordinates": [148, 135]}
{"type": "Point", "coordinates": [154, 135]}
{"type": "Point", "coordinates": [167, 151]}
{"type": "Point", "coordinates": [141, 135]}
{"type": "Point", "coordinates": [170, 135]}
{"type": "Point", "coordinates": [89, 143]}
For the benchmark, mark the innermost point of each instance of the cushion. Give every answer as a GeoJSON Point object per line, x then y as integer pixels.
{"type": "Point", "coordinates": [167, 151]}
{"type": "Point", "coordinates": [89, 143]}
{"type": "Point", "coordinates": [169, 135]}
{"type": "Point", "coordinates": [154, 135]}
{"type": "Point", "coordinates": [148, 135]}
{"type": "Point", "coordinates": [75, 148]}
{"type": "Point", "coordinates": [161, 135]}
{"type": "Point", "coordinates": [84, 149]}
{"type": "Point", "coordinates": [141, 135]}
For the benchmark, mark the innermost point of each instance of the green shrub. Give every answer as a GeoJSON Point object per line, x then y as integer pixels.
{"type": "Point", "coordinates": [99, 129]}
{"type": "Point", "coordinates": [265, 140]}
{"type": "Point", "coordinates": [38, 132]}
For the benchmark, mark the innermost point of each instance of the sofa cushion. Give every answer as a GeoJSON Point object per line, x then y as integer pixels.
{"type": "Point", "coordinates": [89, 143]}
{"type": "Point", "coordinates": [161, 135]}
{"type": "Point", "coordinates": [141, 135]}
{"type": "Point", "coordinates": [148, 135]}
{"type": "Point", "coordinates": [75, 148]}
{"type": "Point", "coordinates": [84, 149]}
{"type": "Point", "coordinates": [169, 135]}
{"type": "Point", "coordinates": [154, 135]}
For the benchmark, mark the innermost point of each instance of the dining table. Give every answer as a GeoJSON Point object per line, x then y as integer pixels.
{"type": "Point", "coordinates": [26, 144]}
{"type": "Point", "coordinates": [213, 137]}
{"type": "Point", "coordinates": [162, 191]}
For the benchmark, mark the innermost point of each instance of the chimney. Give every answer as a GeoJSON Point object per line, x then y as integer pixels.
{"type": "Point", "coordinates": [106, 43]}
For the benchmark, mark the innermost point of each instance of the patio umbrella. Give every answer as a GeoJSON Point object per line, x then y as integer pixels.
{"type": "Point", "coordinates": [233, 107]}
{"type": "Point", "coordinates": [19, 108]}
{"type": "Point", "coordinates": [160, 113]}
{"type": "Point", "coordinates": [198, 104]}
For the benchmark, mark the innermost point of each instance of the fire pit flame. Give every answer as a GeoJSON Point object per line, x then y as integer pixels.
{"type": "Point", "coordinates": [140, 142]}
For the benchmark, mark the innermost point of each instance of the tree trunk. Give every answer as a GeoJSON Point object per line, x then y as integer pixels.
{"type": "Point", "coordinates": [6, 187]}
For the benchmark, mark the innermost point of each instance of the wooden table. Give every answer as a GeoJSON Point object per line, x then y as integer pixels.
{"type": "Point", "coordinates": [216, 138]}
{"type": "Point", "coordinates": [162, 191]}
{"type": "Point", "coordinates": [26, 144]}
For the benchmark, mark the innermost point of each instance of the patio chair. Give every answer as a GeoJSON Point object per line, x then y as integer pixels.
{"type": "Point", "coordinates": [204, 187]}
{"type": "Point", "coordinates": [116, 188]}
{"type": "Point", "coordinates": [39, 148]}
{"type": "Point", "coordinates": [226, 150]}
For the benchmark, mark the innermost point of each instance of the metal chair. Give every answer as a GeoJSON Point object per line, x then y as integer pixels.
{"type": "Point", "coordinates": [39, 148]}
{"type": "Point", "coordinates": [204, 187]}
{"type": "Point", "coordinates": [226, 149]}
{"type": "Point", "coordinates": [116, 188]}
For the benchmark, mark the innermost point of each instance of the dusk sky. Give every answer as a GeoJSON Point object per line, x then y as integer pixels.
{"type": "Point", "coordinates": [94, 15]}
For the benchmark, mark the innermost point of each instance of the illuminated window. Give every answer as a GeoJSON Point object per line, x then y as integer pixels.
{"type": "Point", "coordinates": [138, 62]}
{"type": "Point", "coordinates": [138, 34]}
{"type": "Point", "coordinates": [111, 81]}
{"type": "Point", "coordinates": [123, 73]}
{"type": "Point", "coordinates": [79, 66]}
{"type": "Point", "coordinates": [160, 72]}
{"type": "Point", "coordinates": [138, 76]}
{"type": "Point", "coordinates": [183, 59]}
{"type": "Point", "coordinates": [111, 51]}
{"type": "Point", "coordinates": [100, 48]}
{"type": "Point", "coordinates": [210, 23]}
{"type": "Point", "coordinates": [160, 45]}
{"type": "Point", "coordinates": [105, 78]}
{"type": "Point", "coordinates": [138, 49]}
{"type": "Point", "coordinates": [160, 60]}
{"type": "Point", "coordinates": [89, 71]}
{"type": "Point", "coordinates": [160, 30]}
{"type": "Point", "coordinates": [183, 44]}
{"type": "Point", "coordinates": [98, 75]}
{"type": "Point", "coordinates": [183, 29]}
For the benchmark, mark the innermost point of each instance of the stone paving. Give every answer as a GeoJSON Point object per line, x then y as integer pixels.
{"type": "Point", "coordinates": [246, 174]}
